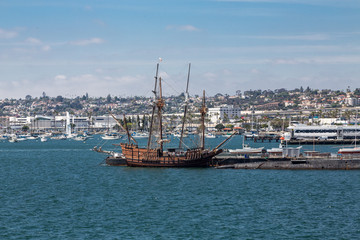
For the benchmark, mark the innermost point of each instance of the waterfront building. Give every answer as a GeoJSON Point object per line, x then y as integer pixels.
{"type": "Point", "coordinates": [218, 114]}
{"type": "Point", "coordinates": [324, 132]}
{"type": "Point", "coordinates": [104, 122]}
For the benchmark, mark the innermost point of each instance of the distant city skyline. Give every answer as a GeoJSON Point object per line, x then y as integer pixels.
{"type": "Point", "coordinates": [106, 47]}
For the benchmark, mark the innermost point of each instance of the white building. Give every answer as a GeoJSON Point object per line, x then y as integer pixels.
{"type": "Point", "coordinates": [352, 101]}
{"type": "Point", "coordinates": [218, 114]}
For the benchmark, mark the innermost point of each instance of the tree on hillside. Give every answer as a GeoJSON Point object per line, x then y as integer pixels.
{"type": "Point", "coordinates": [108, 99]}
{"type": "Point", "coordinates": [28, 97]}
{"type": "Point", "coordinates": [357, 91]}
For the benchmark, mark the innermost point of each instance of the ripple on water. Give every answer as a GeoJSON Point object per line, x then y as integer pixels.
{"type": "Point", "coordinates": [61, 192]}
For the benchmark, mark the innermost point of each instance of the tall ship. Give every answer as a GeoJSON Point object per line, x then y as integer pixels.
{"type": "Point", "coordinates": [154, 155]}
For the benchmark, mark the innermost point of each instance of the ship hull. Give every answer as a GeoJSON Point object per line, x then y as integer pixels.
{"type": "Point", "coordinates": [115, 161]}
{"type": "Point", "coordinates": [141, 157]}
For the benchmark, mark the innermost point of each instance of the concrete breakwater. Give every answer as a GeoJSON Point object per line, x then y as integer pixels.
{"type": "Point", "coordinates": [297, 164]}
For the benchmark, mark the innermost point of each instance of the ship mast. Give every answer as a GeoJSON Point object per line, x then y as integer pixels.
{"type": "Point", "coordinates": [186, 106]}
{"type": "Point", "coordinates": [160, 104]}
{"type": "Point", "coordinates": [126, 129]}
{"type": "Point", "coordinates": [203, 111]}
{"type": "Point", "coordinates": [154, 107]}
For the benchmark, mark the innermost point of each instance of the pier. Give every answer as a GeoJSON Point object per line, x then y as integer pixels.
{"type": "Point", "coordinates": [298, 164]}
{"type": "Point", "coordinates": [323, 141]}
{"type": "Point", "coordinates": [310, 162]}
{"type": "Point", "coordinates": [264, 138]}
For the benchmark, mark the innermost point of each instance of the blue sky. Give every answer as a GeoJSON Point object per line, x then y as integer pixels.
{"type": "Point", "coordinates": [102, 47]}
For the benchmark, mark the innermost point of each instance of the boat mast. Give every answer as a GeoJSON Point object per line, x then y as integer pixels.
{"type": "Point", "coordinates": [126, 129]}
{"type": "Point", "coordinates": [160, 104]}
{"type": "Point", "coordinates": [203, 113]}
{"type": "Point", "coordinates": [223, 142]}
{"type": "Point", "coordinates": [186, 106]}
{"type": "Point", "coordinates": [154, 106]}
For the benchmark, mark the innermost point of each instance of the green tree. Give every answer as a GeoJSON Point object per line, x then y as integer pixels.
{"type": "Point", "coordinates": [72, 126]}
{"type": "Point", "coordinates": [25, 128]}
{"type": "Point", "coordinates": [226, 118]}
{"type": "Point", "coordinates": [279, 124]}
{"type": "Point", "coordinates": [219, 127]}
{"type": "Point", "coordinates": [108, 99]}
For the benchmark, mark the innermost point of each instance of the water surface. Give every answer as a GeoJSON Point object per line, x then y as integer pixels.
{"type": "Point", "coordinates": [61, 190]}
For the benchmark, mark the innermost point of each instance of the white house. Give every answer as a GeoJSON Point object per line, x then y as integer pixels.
{"type": "Point", "coordinates": [218, 114]}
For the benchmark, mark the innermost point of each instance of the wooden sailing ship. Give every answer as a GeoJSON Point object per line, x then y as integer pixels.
{"type": "Point", "coordinates": [177, 157]}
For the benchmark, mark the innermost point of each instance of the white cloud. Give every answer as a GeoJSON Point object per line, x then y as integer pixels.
{"type": "Point", "coordinates": [87, 42]}
{"type": "Point", "coordinates": [317, 60]}
{"type": "Point", "coordinates": [46, 48]}
{"type": "Point", "coordinates": [129, 79]}
{"type": "Point", "coordinates": [96, 85]}
{"type": "Point", "coordinates": [99, 22]}
{"type": "Point", "coordinates": [84, 78]}
{"type": "Point", "coordinates": [187, 28]}
{"type": "Point", "coordinates": [32, 40]}
{"type": "Point", "coordinates": [60, 77]}
{"type": "Point", "coordinates": [209, 76]}
{"type": "Point", "coordinates": [307, 37]}
{"type": "Point", "coordinates": [4, 34]}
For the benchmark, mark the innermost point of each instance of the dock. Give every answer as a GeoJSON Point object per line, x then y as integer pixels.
{"type": "Point", "coordinates": [303, 163]}
{"type": "Point", "coordinates": [314, 164]}
{"type": "Point", "coordinates": [322, 141]}
{"type": "Point", "coordinates": [264, 138]}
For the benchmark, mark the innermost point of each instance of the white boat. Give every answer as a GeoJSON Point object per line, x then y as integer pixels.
{"type": "Point", "coordinates": [179, 135]}
{"type": "Point", "coordinates": [350, 150]}
{"type": "Point", "coordinates": [80, 138]}
{"type": "Point", "coordinates": [246, 150]}
{"type": "Point", "coordinates": [280, 149]}
{"type": "Point", "coordinates": [43, 139]}
{"type": "Point", "coordinates": [210, 135]}
{"type": "Point", "coordinates": [32, 137]}
{"type": "Point", "coordinates": [276, 152]}
{"type": "Point", "coordinates": [21, 139]}
{"type": "Point", "coordinates": [12, 139]}
{"type": "Point", "coordinates": [140, 134]}
{"type": "Point", "coordinates": [71, 135]}
{"type": "Point", "coordinates": [111, 136]}
{"type": "Point", "coordinates": [59, 137]}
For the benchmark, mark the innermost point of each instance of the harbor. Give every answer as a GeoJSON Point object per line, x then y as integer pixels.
{"type": "Point", "coordinates": [270, 156]}
{"type": "Point", "coordinates": [202, 119]}
{"type": "Point", "coordinates": [65, 185]}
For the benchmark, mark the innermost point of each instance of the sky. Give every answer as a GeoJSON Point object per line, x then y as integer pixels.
{"type": "Point", "coordinates": [101, 47]}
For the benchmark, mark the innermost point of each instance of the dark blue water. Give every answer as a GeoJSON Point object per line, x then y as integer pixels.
{"type": "Point", "coordinates": [60, 190]}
